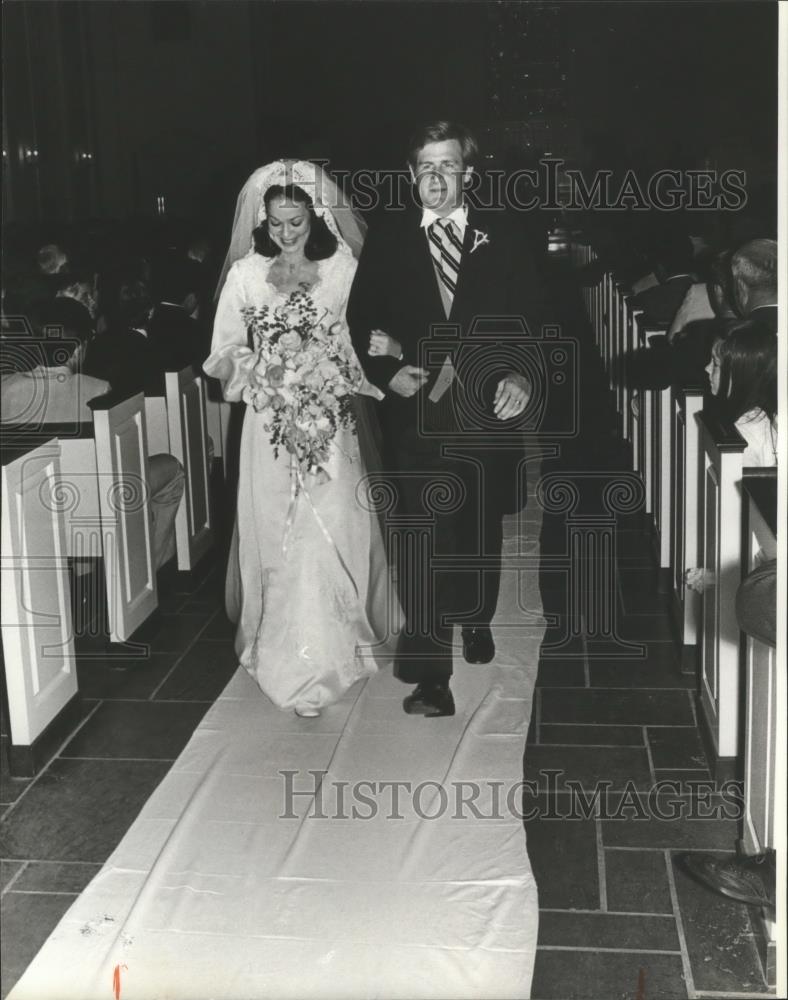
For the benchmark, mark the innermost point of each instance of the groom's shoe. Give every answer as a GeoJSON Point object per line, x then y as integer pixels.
{"type": "Point", "coordinates": [430, 700]}
{"type": "Point", "coordinates": [477, 644]}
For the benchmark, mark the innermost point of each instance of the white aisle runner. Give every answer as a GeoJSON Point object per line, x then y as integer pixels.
{"type": "Point", "coordinates": [228, 887]}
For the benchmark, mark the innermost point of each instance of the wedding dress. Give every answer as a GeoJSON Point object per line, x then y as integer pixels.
{"type": "Point", "coordinates": [308, 580]}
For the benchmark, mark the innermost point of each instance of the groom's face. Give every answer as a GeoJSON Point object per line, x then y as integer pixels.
{"type": "Point", "coordinates": [441, 175]}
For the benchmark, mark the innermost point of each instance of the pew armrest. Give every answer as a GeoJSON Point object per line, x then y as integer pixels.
{"type": "Point", "coordinates": [111, 399]}
{"type": "Point", "coordinates": [722, 433]}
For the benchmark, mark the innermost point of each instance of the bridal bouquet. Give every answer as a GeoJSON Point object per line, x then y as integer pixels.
{"type": "Point", "coordinates": [303, 378]}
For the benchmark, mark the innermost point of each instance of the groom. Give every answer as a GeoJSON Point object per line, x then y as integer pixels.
{"type": "Point", "coordinates": [431, 284]}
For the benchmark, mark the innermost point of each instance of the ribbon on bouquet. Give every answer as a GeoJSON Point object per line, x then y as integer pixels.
{"type": "Point", "coordinates": [298, 484]}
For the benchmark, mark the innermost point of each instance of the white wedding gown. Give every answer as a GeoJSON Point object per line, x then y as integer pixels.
{"type": "Point", "coordinates": [314, 604]}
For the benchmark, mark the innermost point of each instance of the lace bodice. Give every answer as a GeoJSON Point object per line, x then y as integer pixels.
{"type": "Point", "coordinates": [247, 285]}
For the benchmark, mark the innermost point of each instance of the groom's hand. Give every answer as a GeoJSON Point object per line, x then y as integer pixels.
{"type": "Point", "coordinates": [511, 396]}
{"type": "Point", "coordinates": [408, 380]}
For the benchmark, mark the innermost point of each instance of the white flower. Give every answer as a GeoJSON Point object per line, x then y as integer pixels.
{"type": "Point", "coordinates": [480, 239]}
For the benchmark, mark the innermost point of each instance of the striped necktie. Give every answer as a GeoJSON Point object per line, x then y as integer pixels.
{"type": "Point", "coordinates": [446, 250]}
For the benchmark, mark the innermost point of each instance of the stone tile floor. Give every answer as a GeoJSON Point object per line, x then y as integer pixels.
{"type": "Point", "coordinates": [613, 714]}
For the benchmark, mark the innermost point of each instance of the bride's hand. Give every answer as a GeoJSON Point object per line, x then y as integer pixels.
{"type": "Point", "coordinates": [381, 345]}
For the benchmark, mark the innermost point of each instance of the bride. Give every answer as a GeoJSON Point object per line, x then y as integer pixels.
{"type": "Point", "coordinates": [307, 581]}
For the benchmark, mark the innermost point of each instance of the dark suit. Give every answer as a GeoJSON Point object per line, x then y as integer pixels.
{"type": "Point", "coordinates": [126, 359]}
{"type": "Point", "coordinates": [767, 315]}
{"type": "Point", "coordinates": [177, 339]}
{"type": "Point", "coordinates": [457, 439]}
{"type": "Point", "coordinates": [660, 303]}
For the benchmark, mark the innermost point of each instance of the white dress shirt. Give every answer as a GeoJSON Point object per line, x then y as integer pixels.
{"type": "Point", "coordinates": [459, 217]}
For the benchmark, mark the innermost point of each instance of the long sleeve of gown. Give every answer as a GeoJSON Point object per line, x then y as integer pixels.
{"type": "Point", "coordinates": [231, 359]}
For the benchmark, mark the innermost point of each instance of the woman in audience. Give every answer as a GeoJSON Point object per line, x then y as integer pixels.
{"type": "Point", "coordinates": [743, 376]}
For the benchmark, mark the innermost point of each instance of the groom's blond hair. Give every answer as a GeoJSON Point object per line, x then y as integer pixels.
{"type": "Point", "coordinates": [442, 131]}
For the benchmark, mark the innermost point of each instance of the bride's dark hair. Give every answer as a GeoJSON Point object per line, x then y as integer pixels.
{"type": "Point", "coordinates": [321, 242]}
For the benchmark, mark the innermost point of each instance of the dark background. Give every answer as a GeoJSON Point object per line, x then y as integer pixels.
{"type": "Point", "coordinates": [182, 99]}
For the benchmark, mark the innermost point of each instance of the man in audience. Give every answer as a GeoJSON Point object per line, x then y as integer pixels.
{"type": "Point", "coordinates": [674, 266]}
{"type": "Point", "coordinates": [123, 354]}
{"type": "Point", "coordinates": [41, 383]}
{"type": "Point", "coordinates": [200, 253]}
{"type": "Point", "coordinates": [690, 346]}
{"type": "Point", "coordinates": [178, 338]}
{"type": "Point", "coordinates": [754, 273]}
{"type": "Point", "coordinates": [51, 259]}
{"type": "Point", "coordinates": [80, 286]}
{"type": "Point", "coordinates": [706, 299]}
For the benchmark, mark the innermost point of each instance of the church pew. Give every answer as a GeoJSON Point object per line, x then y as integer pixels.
{"type": "Point", "coordinates": [686, 404]}
{"type": "Point", "coordinates": [655, 434]}
{"type": "Point", "coordinates": [641, 406]}
{"type": "Point", "coordinates": [194, 524]}
{"type": "Point", "coordinates": [616, 349]}
{"type": "Point", "coordinates": [765, 726]}
{"type": "Point", "coordinates": [102, 491]}
{"type": "Point", "coordinates": [720, 505]}
{"type": "Point", "coordinates": [121, 458]}
{"type": "Point", "coordinates": [156, 423]}
{"type": "Point", "coordinates": [596, 318]}
{"type": "Point", "coordinates": [628, 347]}
{"type": "Point", "coordinates": [177, 425]}
{"type": "Point", "coordinates": [608, 331]}
{"type": "Point", "coordinates": [217, 414]}
{"type": "Point", "coordinates": [38, 640]}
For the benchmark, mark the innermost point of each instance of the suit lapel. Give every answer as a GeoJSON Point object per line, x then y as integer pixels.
{"type": "Point", "coordinates": [468, 268]}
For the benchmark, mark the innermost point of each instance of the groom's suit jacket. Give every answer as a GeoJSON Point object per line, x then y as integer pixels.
{"type": "Point", "coordinates": [396, 290]}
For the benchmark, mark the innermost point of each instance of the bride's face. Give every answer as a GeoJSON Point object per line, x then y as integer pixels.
{"type": "Point", "coordinates": [288, 225]}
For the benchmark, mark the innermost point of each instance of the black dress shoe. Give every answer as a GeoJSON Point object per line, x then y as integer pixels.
{"type": "Point", "coordinates": [477, 644]}
{"type": "Point", "coordinates": [430, 700]}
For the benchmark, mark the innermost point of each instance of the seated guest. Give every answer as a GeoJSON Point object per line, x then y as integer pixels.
{"type": "Point", "coordinates": [178, 338]}
{"type": "Point", "coordinates": [51, 259]}
{"type": "Point", "coordinates": [200, 253]}
{"type": "Point", "coordinates": [48, 388]}
{"type": "Point", "coordinates": [706, 300]}
{"type": "Point", "coordinates": [743, 376]}
{"type": "Point", "coordinates": [754, 275]}
{"type": "Point", "coordinates": [661, 302]}
{"type": "Point", "coordinates": [756, 603]}
{"type": "Point", "coordinates": [79, 286]}
{"type": "Point", "coordinates": [122, 354]}
{"type": "Point", "coordinates": [681, 358]}
{"type": "Point", "coordinates": [199, 248]}
{"type": "Point", "coordinates": [690, 348]}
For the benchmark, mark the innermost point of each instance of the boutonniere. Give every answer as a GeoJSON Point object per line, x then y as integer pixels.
{"type": "Point", "coordinates": [479, 239]}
